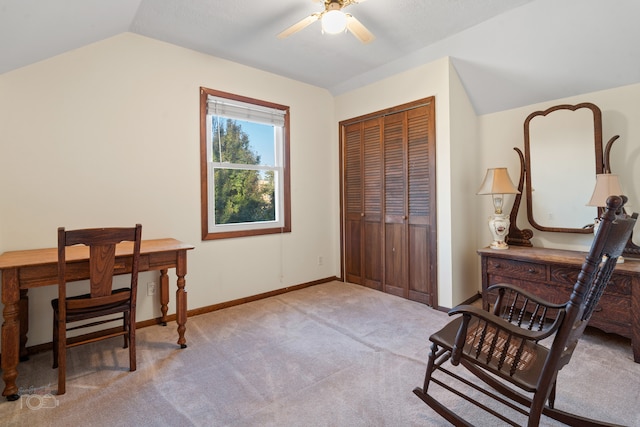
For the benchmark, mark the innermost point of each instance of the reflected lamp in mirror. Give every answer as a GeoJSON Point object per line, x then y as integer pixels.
{"type": "Point", "coordinates": [497, 183]}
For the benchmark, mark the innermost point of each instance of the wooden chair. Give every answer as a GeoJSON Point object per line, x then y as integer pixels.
{"type": "Point", "coordinates": [502, 348]}
{"type": "Point", "coordinates": [102, 300]}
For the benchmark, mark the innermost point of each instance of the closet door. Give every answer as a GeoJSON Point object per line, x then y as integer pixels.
{"type": "Point", "coordinates": [388, 175]}
{"type": "Point", "coordinates": [352, 201]}
{"type": "Point", "coordinates": [372, 218]}
{"type": "Point", "coordinates": [421, 233]}
{"type": "Point", "coordinates": [363, 206]}
{"type": "Point", "coordinates": [395, 192]}
{"type": "Point", "coordinates": [409, 183]}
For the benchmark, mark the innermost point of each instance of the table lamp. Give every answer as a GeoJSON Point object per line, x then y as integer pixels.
{"type": "Point", "coordinates": [607, 184]}
{"type": "Point", "coordinates": [498, 183]}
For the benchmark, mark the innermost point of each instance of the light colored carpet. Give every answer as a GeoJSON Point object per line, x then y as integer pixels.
{"type": "Point", "coordinates": [334, 354]}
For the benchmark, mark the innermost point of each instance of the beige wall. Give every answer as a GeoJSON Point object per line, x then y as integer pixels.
{"type": "Point", "coordinates": [464, 202]}
{"type": "Point", "coordinates": [109, 135]}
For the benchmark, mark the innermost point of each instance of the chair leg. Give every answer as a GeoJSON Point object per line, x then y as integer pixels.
{"type": "Point", "coordinates": [125, 328]}
{"type": "Point", "coordinates": [430, 367]}
{"type": "Point", "coordinates": [62, 358]}
{"type": "Point", "coordinates": [131, 320]}
{"type": "Point", "coordinates": [55, 340]}
{"type": "Point", "coordinates": [552, 395]}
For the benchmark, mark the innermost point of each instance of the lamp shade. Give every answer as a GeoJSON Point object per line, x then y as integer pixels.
{"type": "Point", "coordinates": [497, 181]}
{"type": "Point", "coordinates": [607, 184]}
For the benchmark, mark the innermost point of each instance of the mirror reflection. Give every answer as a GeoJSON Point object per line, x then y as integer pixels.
{"type": "Point", "coordinates": [563, 152]}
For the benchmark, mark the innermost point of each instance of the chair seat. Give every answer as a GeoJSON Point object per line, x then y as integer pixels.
{"type": "Point", "coordinates": [76, 314]}
{"type": "Point", "coordinates": [531, 361]}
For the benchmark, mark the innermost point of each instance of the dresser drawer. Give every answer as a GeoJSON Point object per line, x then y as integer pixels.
{"type": "Point", "coordinates": [517, 269]}
{"type": "Point", "coordinates": [619, 284]}
{"type": "Point", "coordinates": [612, 313]}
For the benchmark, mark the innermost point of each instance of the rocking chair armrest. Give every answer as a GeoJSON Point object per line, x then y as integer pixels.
{"type": "Point", "coordinates": [501, 324]}
{"type": "Point", "coordinates": [536, 299]}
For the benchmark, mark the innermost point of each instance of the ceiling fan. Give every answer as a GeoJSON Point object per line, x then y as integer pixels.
{"type": "Point", "coordinates": [333, 21]}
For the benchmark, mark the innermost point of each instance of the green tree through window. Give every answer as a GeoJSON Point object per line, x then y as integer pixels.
{"type": "Point", "coordinates": [240, 195]}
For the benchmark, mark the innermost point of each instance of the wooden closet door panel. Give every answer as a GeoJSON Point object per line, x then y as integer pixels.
{"type": "Point", "coordinates": [395, 190]}
{"type": "Point", "coordinates": [420, 181]}
{"type": "Point", "coordinates": [419, 261]}
{"type": "Point", "coordinates": [353, 169]}
{"type": "Point", "coordinates": [372, 248]}
{"type": "Point", "coordinates": [394, 260]}
{"type": "Point", "coordinates": [394, 168]}
{"type": "Point", "coordinates": [353, 258]}
{"type": "Point", "coordinates": [372, 219]}
{"type": "Point", "coordinates": [353, 202]}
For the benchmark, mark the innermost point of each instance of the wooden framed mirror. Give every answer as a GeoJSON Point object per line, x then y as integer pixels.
{"type": "Point", "coordinates": [563, 152]}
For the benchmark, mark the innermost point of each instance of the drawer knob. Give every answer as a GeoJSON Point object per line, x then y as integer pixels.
{"type": "Point", "coordinates": [531, 270]}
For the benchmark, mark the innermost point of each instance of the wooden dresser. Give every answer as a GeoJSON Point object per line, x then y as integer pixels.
{"type": "Point", "coordinates": [551, 273]}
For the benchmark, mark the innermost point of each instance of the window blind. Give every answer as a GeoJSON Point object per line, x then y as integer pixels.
{"type": "Point", "coordinates": [243, 111]}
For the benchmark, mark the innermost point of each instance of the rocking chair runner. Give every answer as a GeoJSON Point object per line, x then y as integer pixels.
{"type": "Point", "coordinates": [504, 345]}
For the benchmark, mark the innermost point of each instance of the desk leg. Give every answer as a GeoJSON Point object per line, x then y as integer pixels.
{"type": "Point", "coordinates": [164, 296]}
{"type": "Point", "coordinates": [181, 298]}
{"type": "Point", "coordinates": [10, 332]}
{"type": "Point", "coordinates": [24, 324]}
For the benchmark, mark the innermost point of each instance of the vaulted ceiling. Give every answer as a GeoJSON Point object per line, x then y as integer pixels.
{"type": "Point", "coordinates": [508, 53]}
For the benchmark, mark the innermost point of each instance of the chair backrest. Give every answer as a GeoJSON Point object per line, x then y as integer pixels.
{"type": "Point", "coordinates": [102, 260]}
{"type": "Point", "coordinates": [613, 233]}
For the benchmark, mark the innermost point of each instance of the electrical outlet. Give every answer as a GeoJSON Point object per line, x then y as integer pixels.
{"type": "Point", "coordinates": [151, 288]}
{"type": "Point", "coordinates": [320, 260]}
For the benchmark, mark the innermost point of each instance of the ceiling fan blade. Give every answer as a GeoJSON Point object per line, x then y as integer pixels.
{"type": "Point", "coordinates": [358, 30]}
{"type": "Point", "coordinates": [299, 25]}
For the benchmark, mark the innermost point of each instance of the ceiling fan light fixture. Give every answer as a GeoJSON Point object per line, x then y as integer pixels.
{"type": "Point", "coordinates": [334, 22]}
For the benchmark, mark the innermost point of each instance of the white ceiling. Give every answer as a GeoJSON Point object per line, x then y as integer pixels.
{"type": "Point", "coordinates": [508, 53]}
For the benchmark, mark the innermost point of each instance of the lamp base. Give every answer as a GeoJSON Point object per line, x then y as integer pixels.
{"type": "Point", "coordinates": [499, 226]}
{"type": "Point", "coordinates": [499, 245]}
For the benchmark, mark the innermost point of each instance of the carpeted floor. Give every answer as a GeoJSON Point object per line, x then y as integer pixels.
{"type": "Point", "coordinates": [334, 354]}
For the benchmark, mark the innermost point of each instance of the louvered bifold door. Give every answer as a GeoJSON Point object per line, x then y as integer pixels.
{"type": "Point", "coordinates": [353, 201]}
{"type": "Point", "coordinates": [421, 221]}
{"type": "Point", "coordinates": [363, 203]}
{"type": "Point", "coordinates": [395, 191]}
{"type": "Point", "coordinates": [388, 205]}
{"type": "Point", "coordinates": [409, 183]}
{"type": "Point", "coordinates": [372, 219]}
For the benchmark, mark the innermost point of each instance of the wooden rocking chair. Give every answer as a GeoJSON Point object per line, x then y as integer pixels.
{"type": "Point", "coordinates": [502, 348]}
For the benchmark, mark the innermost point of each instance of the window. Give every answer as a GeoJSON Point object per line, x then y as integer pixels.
{"type": "Point", "coordinates": [244, 166]}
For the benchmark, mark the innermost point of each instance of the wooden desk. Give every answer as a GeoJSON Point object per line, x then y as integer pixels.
{"type": "Point", "coordinates": [22, 270]}
{"type": "Point", "coordinates": [551, 274]}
